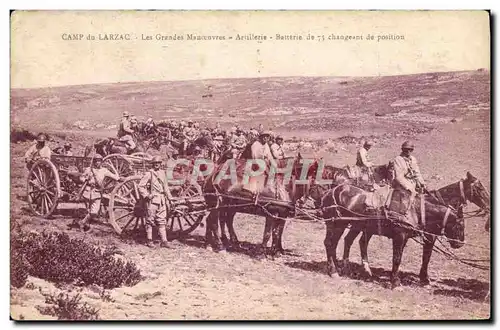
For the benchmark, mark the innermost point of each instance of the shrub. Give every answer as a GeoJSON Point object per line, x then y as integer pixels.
{"type": "Point", "coordinates": [58, 258]}
{"type": "Point", "coordinates": [67, 307]}
{"type": "Point", "coordinates": [21, 135]}
{"type": "Point", "coordinates": [18, 269]}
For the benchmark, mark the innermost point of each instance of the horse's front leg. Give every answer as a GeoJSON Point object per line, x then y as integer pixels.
{"type": "Point", "coordinates": [426, 257]}
{"type": "Point", "coordinates": [281, 228]}
{"type": "Point", "coordinates": [348, 241]}
{"type": "Point", "coordinates": [277, 231]}
{"type": "Point", "coordinates": [333, 235]}
{"type": "Point", "coordinates": [213, 231]}
{"type": "Point", "coordinates": [363, 247]}
{"type": "Point", "coordinates": [398, 244]}
{"type": "Point", "coordinates": [222, 224]}
{"type": "Point", "coordinates": [267, 234]}
{"type": "Point", "coordinates": [233, 239]}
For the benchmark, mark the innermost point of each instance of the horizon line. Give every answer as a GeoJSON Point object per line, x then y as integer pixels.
{"type": "Point", "coordinates": [251, 77]}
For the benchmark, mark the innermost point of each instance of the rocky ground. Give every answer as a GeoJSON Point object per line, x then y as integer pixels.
{"type": "Point", "coordinates": [445, 114]}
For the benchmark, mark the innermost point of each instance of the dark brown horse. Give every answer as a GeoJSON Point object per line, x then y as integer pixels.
{"type": "Point", "coordinates": [439, 220]}
{"type": "Point", "coordinates": [455, 195]}
{"type": "Point", "coordinates": [275, 202]}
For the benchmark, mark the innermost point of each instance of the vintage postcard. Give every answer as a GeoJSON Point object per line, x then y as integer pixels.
{"type": "Point", "coordinates": [250, 165]}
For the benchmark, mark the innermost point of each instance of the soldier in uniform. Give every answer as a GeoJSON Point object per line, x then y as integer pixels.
{"type": "Point", "coordinates": [188, 135]}
{"type": "Point", "coordinates": [153, 187]}
{"type": "Point", "coordinates": [260, 148]}
{"type": "Point", "coordinates": [94, 177]}
{"type": "Point", "coordinates": [67, 149]}
{"type": "Point", "coordinates": [407, 176]}
{"type": "Point", "coordinates": [261, 128]}
{"type": "Point", "coordinates": [126, 131]}
{"type": "Point", "coordinates": [362, 161]}
{"type": "Point", "coordinates": [37, 151]}
{"type": "Point", "coordinates": [238, 143]}
{"type": "Point", "coordinates": [277, 148]}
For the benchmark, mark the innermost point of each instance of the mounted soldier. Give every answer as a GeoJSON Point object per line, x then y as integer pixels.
{"type": "Point", "coordinates": [126, 132]}
{"type": "Point", "coordinates": [407, 179]}
{"type": "Point", "coordinates": [40, 150]}
{"type": "Point", "coordinates": [188, 136]}
{"type": "Point", "coordinates": [94, 177]}
{"type": "Point", "coordinates": [277, 148]}
{"type": "Point", "coordinates": [153, 187]}
{"type": "Point", "coordinates": [363, 163]}
{"type": "Point", "coordinates": [238, 143]}
{"type": "Point", "coordinates": [260, 148]}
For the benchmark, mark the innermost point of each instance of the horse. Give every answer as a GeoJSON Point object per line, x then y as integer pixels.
{"type": "Point", "coordinates": [108, 146]}
{"type": "Point", "coordinates": [274, 202]}
{"type": "Point", "coordinates": [339, 175]}
{"type": "Point", "coordinates": [455, 195]}
{"type": "Point", "coordinates": [347, 201]}
{"type": "Point", "coordinates": [202, 144]}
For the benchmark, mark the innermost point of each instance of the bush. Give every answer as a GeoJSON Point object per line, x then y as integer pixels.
{"type": "Point", "coordinates": [67, 307]}
{"type": "Point", "coordinates": [58, 258]}
{"type": "Point", "coordinates": [18, 269]}
{"type": "Point", "coordinates": [21, 135]}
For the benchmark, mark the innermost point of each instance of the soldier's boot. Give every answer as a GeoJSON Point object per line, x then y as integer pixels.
{"type": "Point", "coordinates": [162, 229]}
{"type": "Point", "coordinates": [149, 236]}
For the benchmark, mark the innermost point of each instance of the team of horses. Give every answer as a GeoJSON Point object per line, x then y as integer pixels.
{"type": "Point", "coordinates": [341, 203]}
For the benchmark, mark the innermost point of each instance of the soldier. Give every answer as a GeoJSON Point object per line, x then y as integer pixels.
{"type": "Point", "coordinates": [261, 128]}
{"type": "Point", "coordinates": [188, 136]}
{"type": "Point", "coordinates": [126, 131]}
{"type": "Point", "coordinates": [37, 151]}
{"type": "Point", "coordinates": [94, 177]}
{"type": "Point", "coordinates": [238, 143]}
{"type": "Point", "coordinates": [407, 176]}
{"type": "Point", "coordinates": [217, 128]}
{"type": "Point", "coordinates": [362, 161]}
{"type": "Point", "coordinates": [232, 132]}
{"type": "Point", "coordinates": [173, 124]}
{"type": "Point", "coordinates": [149, 127]}
{"type": "Point", "coordinates": [64, 149]}
{"type": "Point", "coordinates": [154, 188]}
{"type": "Point", "coordinates": [260, 148]}
{"type": "Point", "coordinates": [277, 149]}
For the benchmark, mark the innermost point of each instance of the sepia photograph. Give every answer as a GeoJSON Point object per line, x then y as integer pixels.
{"type": "Point", "coordinates": [250, 165]}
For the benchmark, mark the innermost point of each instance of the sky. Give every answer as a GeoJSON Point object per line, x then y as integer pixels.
{"type": "Point", "coordinates": [411, 42]}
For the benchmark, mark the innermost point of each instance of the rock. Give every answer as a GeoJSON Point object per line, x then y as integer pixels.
{"type": "Point", "coordinates": [456, 120]}
{"type": "Point", "coordinates": [100, 126]}
{"type": "Point", "coordinates": [82, 124]}
{"type": "Point", "coordinates": [378, 114]}
{"type": "Point", "coordinates": [437, 177]}
{"type": "Point", "coordinates": [110, 127]}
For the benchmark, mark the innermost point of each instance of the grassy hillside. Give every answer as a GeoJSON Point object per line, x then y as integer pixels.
{"type": "Point", "coordinates": [323, 104]}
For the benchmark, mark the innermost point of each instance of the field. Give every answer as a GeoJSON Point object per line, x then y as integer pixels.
{"type": "Point", "coordinates": [447, 115]}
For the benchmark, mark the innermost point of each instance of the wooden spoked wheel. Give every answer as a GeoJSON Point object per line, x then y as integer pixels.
{"type": "Point", "coordinates": [43, 188]}
{"type": "Point", "coordinates": [180, 221]}
{"type": "Point", "coordinates": [127, 210]}
{"type": "Point", "coordinates": [118, 164]}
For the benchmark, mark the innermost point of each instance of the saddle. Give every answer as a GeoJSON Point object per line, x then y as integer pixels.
{"type": "Point", "coordinates": [397, 202]}
{"type": "Point", "coordinates": [402, 203]}
{"type": "Point", "coordinates": [360, 178]}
